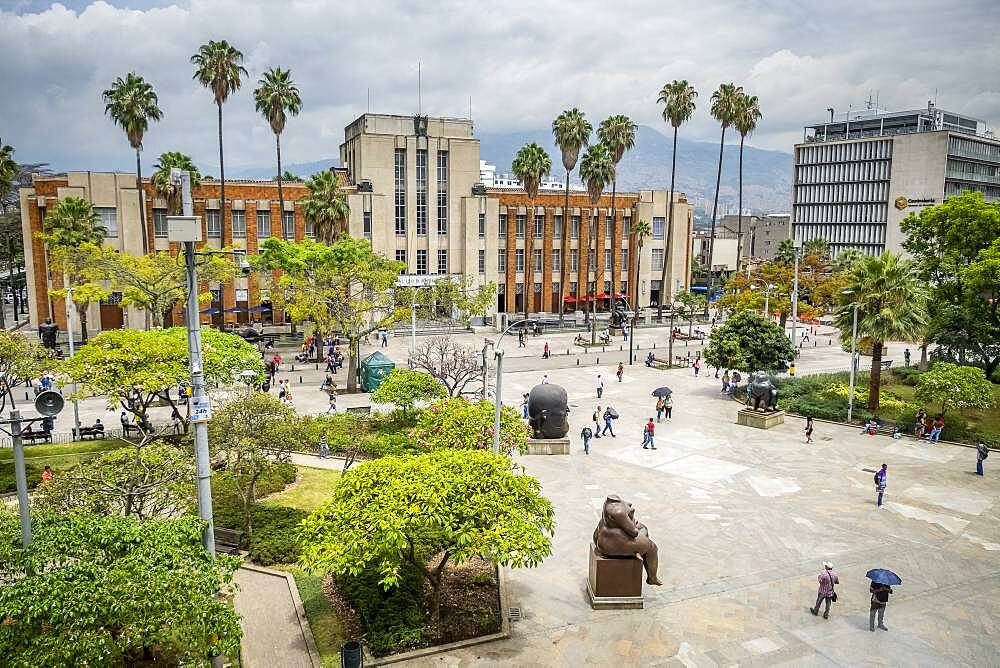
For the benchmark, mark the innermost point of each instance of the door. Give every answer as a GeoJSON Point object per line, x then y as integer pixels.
{"type": "Point", "coordinates": [111, 312]}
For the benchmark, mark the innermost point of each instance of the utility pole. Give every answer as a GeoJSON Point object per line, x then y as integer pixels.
{"type": "Point", "coordinates": [20, 477]}
{"type": "Point", "coordinates": [72, 351]}
{"type": "Point", "coordinates": [795, 295]}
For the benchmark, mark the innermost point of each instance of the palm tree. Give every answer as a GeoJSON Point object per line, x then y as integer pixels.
{"type": "Point", "coordinates": [531, 165]}
{"type": "Point", "coordinates": [819, 247]}
{"type": "Point", "coordinates": [891, 307]}
{"type": "Point", "coordinates": [725, 102]}
{"type": "Point", "coordinates": [572, 133]}
{"type": "Point", "coordinates": [597, 170]}
{"type": "Point", "coordinates": [785, 253]}
{"type": "Point", "coordinates": [326, 206]}
{"type": "Point", "coordinates": [618, 134]}
{"type": "Point", "coordinates": [677, 98]}
{"type": "Point", "coordinates": [8, 172]}
{"type": "Point", "coordinates": [132, 103]}
{"type": "Point", "coordinates": [288, 176]}
{"type": "Point", "coordinates": [276, 98]}
{"type": "Point", "coordinates": [161, 178]}
{"type": "Point", "coordinates": [640, 230]}
{"type": "Point", "coordinates": [218, 67]}
{"type": "Point", "coordinates": [745, 122]}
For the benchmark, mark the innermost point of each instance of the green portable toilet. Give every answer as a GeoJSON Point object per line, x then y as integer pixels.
{"type": "Point", "coordinates": [374, 368]}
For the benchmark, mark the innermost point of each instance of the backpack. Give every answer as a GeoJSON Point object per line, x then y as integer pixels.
{"type": "Point", "coordinates": [984, 451]}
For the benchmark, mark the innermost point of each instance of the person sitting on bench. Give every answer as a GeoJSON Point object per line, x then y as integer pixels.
{"type": "Point", "coordinates": [579, 340]}
{"type": "Point", "coordinates": [605, 337]}
{"type": "Point", "coordinates": [649, 359]}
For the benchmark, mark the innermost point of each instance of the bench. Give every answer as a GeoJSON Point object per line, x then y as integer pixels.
{"type": "Point", "coordinates": [129, 427]}
{"type": "Point", "coordinates": [93, 433]}
{"type": "Point", "coordinates": [885, 364]}
{"type": "Point", "coordinates": [362, 410]}
{"type": "Point", "coordinates": [34, 435]}
{"type": "Point", "coordinates": [660, 364]}
{"type": "Point", "coordinates": [228, 541]}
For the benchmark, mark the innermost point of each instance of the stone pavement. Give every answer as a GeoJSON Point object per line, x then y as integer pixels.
{"type": "Point", "coordinates": [275, 631]}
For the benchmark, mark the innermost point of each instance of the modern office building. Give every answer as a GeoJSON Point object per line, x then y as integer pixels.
{"type": "Point", "coordinates": [761, 234]}
{"type": "Point", "coordinates": [854, 179]}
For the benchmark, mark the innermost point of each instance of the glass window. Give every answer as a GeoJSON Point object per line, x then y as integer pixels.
{"type": "Point", "coordinates": [160, 223]}
{"type": "Point", "coordinates": [401, 257]}
{"type": "Point", "coordinates": [624, 288]}
{"type": "Point", "coordinates": [657, 260]}
{"type": "Point", "coordinates": [310, 229]}
{"type": "Point", "coordinates": [399, 175]}
{"type": "Point", "coordinates": [503, 225]}
{"type": "Point", "coordinates": [442, 192]}
{"type": "Point", "coordinates": [519, 257]}
{"type": "Point", "coordinates": [421, 192]}
{"type": "Point", "coordinates": [239, 224]}
{"type": "Point", "coordinates": [213, 221]}
{"type": "Point", "coordinates": [573, 288]}
{"type": "Point", "coordinates": [591, 260]}
{"type": "Point", "coordinates": [442, 261]}
{"type": "Point", "coordinates": [263, 224]}
{"type": "Point", "coordinates": [109, 219]}
{"type": "Point", "coordinates": [574, 227]}
{"type": "Point", "coordinates": [555, 288]}
{"type": "Point", "coordinates": [368, 224]}
{"type": "Point", "coordinates": [626, 228]}
{"type": "Point", "coordinates": [539, 225]}
{"type": "Point", "coordinates": [624, 259]}
{"type": "Point", "coordinates": [593, 227]}
{"type": "Point", "coordinates": [658, 228]}
{"type": "Point", "coordinates": [482, 262]}
{"type": "Point", "coordinates": [501, 261]}
{"type": "Point", "coordinates": [538, 287]}
{"type": "Point", "coordinates": [574, 259]}
{"type": "Point", "coordinates": [287, 224]}
{"type": "Point", "coordinates": [557, 226]}
{"type": "Point", "coordinates": [607, 259]}
{"type": "Point", "coordinates": [421, 262]}
{"type": "Point", "coordinates": [556, 259]}
{"type": "Point", "coordinates": [482, 226]}
{"type": "Point", "coordinates": [537, 259]}
{"type": "Point", "coordinates": [520, 225]}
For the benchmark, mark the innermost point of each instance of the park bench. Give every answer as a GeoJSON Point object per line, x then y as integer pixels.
{"type": "Point", "coordinates": [660, 363]}
{"type": "Point", "coordinates": [362, 410]}
{"type": "Point", "coordinates": [93, 433]}
{"type": "Point", "coordinates": [31, 435]}
{"type": "Point", "coordinates": [695, 336]}
{"type": "Point", "coordinates": [228, 541]}
{"type": "Point", "coordinates": [885, 364]}
{"type": "Point", "coordinates": [128, 427]}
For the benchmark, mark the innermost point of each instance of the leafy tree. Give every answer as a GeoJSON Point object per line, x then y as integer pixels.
{"type": "Point", "coordinates": [691, 303]}
{"type": "Point", "coordinates": [8, 172]}
{"type": "Point", "coordinates": [343, 288]}
{"type": "Point", "coordinates": [103, 591]}
{"type": "Point", "coordinates": [617, 132]}
{"type": "Point", "coordinates": [749, 342]}
{"type": "Point", "coordinates": [161, 178]}
{"type": "Point", "coordinates": [427, 511]}
{"type": "Point", "coordinates": [891, 307]}
{"type": "Point", "coordinates": [818, 247]}
{"type": "Point", "coordinates": [326, 206]}
{"type": "Point", "coordinates": [404, 388]}
{"type": "Point", "coordinates": [72, 222]}
{"type": "Point", "coordinates": [449, 296]}
{"type": "Point", "coordinates": [745, 118]}
{"type": "Point", "coordinates": [132, 103]}
{"type": "Point", "coordinates": [785, 253]}
{"type": "Point", "coordinates": [468, 425]}
{"type": "Point", "coordinates": [725, 109]}
{"type": "Point", "coordinates": [21, 359]}
{"type": "Point", "coordinates": [955, 387]}
{"type": "Point", "coordinates": [276, 98]}
{"type": "Point", "coordinates": [572, 133]}
{"type": "Point", "coordinates": [288, 176]}
{"type": "Point", "coordinates": [451, 363]}
{"type": "Point", "coordinates": [531, 165]}
{"type": "Point", "coordinates": [597, 170]}
{"type": "Point", "coordinates": [846, 259]}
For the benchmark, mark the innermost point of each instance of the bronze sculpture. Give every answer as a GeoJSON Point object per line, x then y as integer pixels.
{"type": "Point", "coordinates": [762, 393]}
{"type": "Point", "coordinates": [619, 534]}
{"type": "Point", "coordinates": [548, 407]}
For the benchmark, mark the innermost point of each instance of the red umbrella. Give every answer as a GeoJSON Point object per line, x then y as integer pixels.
{"type": "Point", "coordinates": [569, 299]}
{"type": "Point", "coordinates": [603, 295]}
{"type": "Point", "coordinates": [588, 298]}
{"type": "Point", "coordinates": [620, 296]}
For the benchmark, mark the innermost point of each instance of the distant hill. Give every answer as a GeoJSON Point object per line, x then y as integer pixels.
{"type": "Point", "coordinates": [301, 169]}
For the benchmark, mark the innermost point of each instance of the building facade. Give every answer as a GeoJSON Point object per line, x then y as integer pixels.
{"type": "Point", "coordinates": [854, 180]}
{"type": "Point", "coordinates": [761, 234]}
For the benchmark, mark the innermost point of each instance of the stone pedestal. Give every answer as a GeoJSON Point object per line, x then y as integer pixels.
{"type": "Point", "coordinates": [614, 583]}
{"type": "Point", "coordinates": [614, 331]}
{"type": "Point", "coordinates": [760, 420]}
{"type": "Point", "coordinates": [548, 446]}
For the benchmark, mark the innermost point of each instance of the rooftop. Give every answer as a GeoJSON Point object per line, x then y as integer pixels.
{"type": "Point", "coordinates": [875, 122]}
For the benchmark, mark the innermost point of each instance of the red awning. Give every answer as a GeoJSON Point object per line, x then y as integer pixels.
{"type": "Point", "coordinates": [620, 296]}
{"type": "Point", "coordinates": [569, 299]}
{"type": "Point", "coordinates": [588, 298]}
{"type": "Point", "coordinates": [603, 295]}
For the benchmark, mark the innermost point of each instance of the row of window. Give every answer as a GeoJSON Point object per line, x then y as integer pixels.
{"type": "Point", "coordinates": [399, 191]}
{"type": "Point", "coordinates": [557, 226]}
{"type": "Point", "coordinates": [213, 223]}
{"type": "Point", "coordinates": [974, 171]}
{"type": "Point", "coordinates": [875, 191]}
{"type": "Point", "coordinates": [842, 172]}
{"type": "Point", "coordinates": [841, 213]}
{"type": "Point", "coordinates": [574, 259]}
{"type": "Point", "coordinates": [442, 260]}
{"type": "Point", "coordinates": [973, 149]}
{"type": "Point", "coordinates": [519, 287]}
{"type": "Point", "coordinates": [991, 193]}
{"type": "Point", "coordinates": [846, 152]}
{"type": "Point", "coordinates": [843, 234]}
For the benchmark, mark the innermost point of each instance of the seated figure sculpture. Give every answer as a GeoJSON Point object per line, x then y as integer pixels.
{"type": "Point", "coordinates": [762, 393]}
{"type": "Point", "coordinates": [548, 407]}
{"type": "Point", "coordinates": [619, 534]}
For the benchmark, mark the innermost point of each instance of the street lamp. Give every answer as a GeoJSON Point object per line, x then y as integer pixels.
{"type": "Point", "coordinates": [249, 378]}
{"type": "Point", "coordinates": [854, 364]}
{"type": "Point", "coordinates": [768, 287]}
{"type": "Point", "coordinates": [72, 351]}
{"type": "Point", "coordinates": [797, 245]}
{"type": "Point", "coordinates": [498, 355]}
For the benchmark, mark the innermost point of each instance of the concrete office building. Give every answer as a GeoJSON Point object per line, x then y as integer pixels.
{"type": "Point", "coordinates": [761, 234]}
{"type": "Point", "coordinates": [855, 179]}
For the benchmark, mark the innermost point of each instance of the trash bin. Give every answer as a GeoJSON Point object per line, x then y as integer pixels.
{"type": "Point", "coordinates": [351, 656]}
{"type": "Point", "coordinates": [373, 369]}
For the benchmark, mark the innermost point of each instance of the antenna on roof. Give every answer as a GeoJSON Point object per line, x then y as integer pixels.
{"type": "Point", "coordinates": [369, 100]}
{"type": "Point", "coordinates": [470, 107]}
{"type": "Point", "coordinates": [418, 88]}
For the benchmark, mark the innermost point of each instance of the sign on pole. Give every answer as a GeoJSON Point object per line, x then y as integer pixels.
{"type": "Point", "coordinates": [201, 410]}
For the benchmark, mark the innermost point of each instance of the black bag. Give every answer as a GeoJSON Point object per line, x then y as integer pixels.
{"type": "Point", "coordinates": [984, 451]}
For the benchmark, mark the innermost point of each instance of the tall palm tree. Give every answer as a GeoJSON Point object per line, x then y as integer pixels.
{"type": "Point", "coordinates": [745, 121]}
{"type": "Point", "coordinates": [891, 307]}
{"type": "Point", "coordinates": [572, 133]}
{"type": "Point", "coordinates": [276, 98]}
{"type": "Point", "coordinates": [677, 98]}
{"type": "Point", "coordinates": [725, 102]}
{"type": "Point", "coordinates": [618, 134]}
{"type": "Point", "coordinates": [218, 67]}
{"type": "Point", "coordinates": [640, 230]}
{"type": "Point", "coordinates": [531, 165]}
{"type": "Point", "coordinates": [597, 170]}
{"type": "Point", "coordinates": [161, 178]}
{"type": "Point", "coordinates": [326, 206]}
{"type": "Point", "coordinates": [8, 172]}
{"type": "Point", "coordinates": [132, 103]}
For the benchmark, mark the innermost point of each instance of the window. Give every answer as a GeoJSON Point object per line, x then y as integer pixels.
{"type": "Point", "coordinates": [537, 259]}
{"type": "Point", "coordinates": [574, 227]}
{"type": "Point", "coordinates": [482, 262]}
{"type": "Point", "coordinates": [657, 261]}
{"type": "Point", "coordinates": [520, 225]}
{"type": "Point", "coordinates": [482, 226]}
{"type": "Point", "coordinates": [538, 287]}
{"type": "Point", "coordinates": [607, 259]}
{"type": "Point", "coordinates": [519, 257]}
{"type": "Point", "coordinates": [555, 288]}
{"type": "Point", "coordinates": [213, 221]}
{"type": "Point", "coordinates": [239, 224]}
{"type": "Point", "coordinates": [310, 229]}
{"type": "Point", "coordinates": [263, 224]}
{"type": "Point", "coordinates": [593, 227]}
{"type": "Point", "coordinates": [442, 192]}
{"type": "Point", "coordinates": [574, 259]}
{"type": "Point", "coordinates": [399, 172]}
{"type": "Point", "coordinates": [624, 260]}
{"type": "Point", "coordinates": [573, 288]}
{"type": "Point", "coordinates": [624, 288]}
{"type": "Point", "coordinates": [503, 225]}
{"type": "Point", "coordinates": [160, 223]}
{"type": "Point", "coordinates": [421, 262]}
{"type": "Point", "coordinates": [539, 225]}
{"type": "Point", "coordinates": [421, 192]}
{"type": "Point", "coordinates": [109, 219]}
{"type": "Point", "coordinates": [557, 226]}
{"type": "Point", "coordinates": [287, 224]}
{"type": "Point", "coordinates": [556, 259]}
{"type": "Point", "coordinates": [501, 261]}
{"type": "Point", "coordinates": [626, 228]}
{"type": "Point", "coordinates": [442, 261]}
{"type": "Point", "coordinates": [367, 222]}
{"type": "Point", "coordinates": [658, 228]}
{"type": "Point", "coordinates": [591, 266]}
{"type": "Point", "coordinates": [401, 257]}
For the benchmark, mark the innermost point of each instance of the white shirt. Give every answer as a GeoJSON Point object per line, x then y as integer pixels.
{"type": "Point", "coordinates": [600, 382]}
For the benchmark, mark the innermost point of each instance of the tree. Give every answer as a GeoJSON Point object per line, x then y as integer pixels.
{"type": "Point", "coordinates": [468, 425]}
{"type": "Point", "coordinates": [276, 98]}
{"type": "Point", "coordinates": [118, 591]}
{"type": "Point", "coordinates": [72, 222]}
{"type": "Point", "coordinates": [428, 511]}
{"type": "Point", "coordinates": [218, 67]}
{"type": "Point", "coordinates": [818, 247]}
{"type": "Point", "coordinates": [531, 165]}
{"type": "Point", "coordinates": [891, 307]}
{"type": "Point", "coordinates": [677, 98]}
{"type": "Point", "coordinates": [326, 206]}
{"type": "Point", "coordinates": [8, 172]}
{"type": "Point", "coordinates": [617, 132]}
{"type": "Point", "coordinates": [132, 103]}
{"type": "Point", "coordinates": [725, 103]}
{"type": "Point", "coordinates": [785, 253]}
{"type": "Point", "coordinates": [691, 303]}
{"type": "Point", "coordinates": [451, 363]}
{"type": "Point", "coordinates": [161, 178]}
{"type": "Point", "coordinates": [343, 288]}
{"type": "Point", "coordinates": [745, 118]}
{"type": "Point", "coordinates": [846, 259]}
{"type": "Point", "coordinates": [597, 170]}
{"type": "Point", "coordinates": [748, 342]}
{"type": "Point", "coordinates": [404, 388]}
{"type": "Point", "coordinates": [640, 231]}
{"type": "Point", "coordinates": [21, 359]}
{"type": "Point", "coordinates": [955, 387]}
{"type": "Point", "coordinates": [288, 176]}
{"type": "Point", "coordinates": [572, 133]}
{"type": "Point", "coordinates": [248, 439]}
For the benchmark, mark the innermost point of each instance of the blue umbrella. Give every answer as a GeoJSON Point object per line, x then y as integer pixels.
{"type": "Point", "coordinates": [883, 576]}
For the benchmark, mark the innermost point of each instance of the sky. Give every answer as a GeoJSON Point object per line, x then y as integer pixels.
{"type": "Point", "coordinates": [520, 62]}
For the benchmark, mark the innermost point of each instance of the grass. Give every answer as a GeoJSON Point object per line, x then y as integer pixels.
{"type": "Point", "coordinates": [326, 628]}
{"type": "Point", "coordinates": [62, 449]}
{"type": "Point", "coordinates": [312, 487]}
{"type": "Point", "coordinates": [61, 458]}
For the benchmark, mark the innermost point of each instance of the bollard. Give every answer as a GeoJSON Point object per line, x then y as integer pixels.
{"type": "Point", "coordinates": [567, 351]}
{"type": "Point", "coordinates": [620, 349]}
{"type": "Point", "coordinates": [654, 345]}
{"type": "Point", "coordinates": [26, 396]}
{"type": "Point", "coordinates": [300, 380]}
{"type": "Point", "coordinates": [293, 366]}
{"type": "Point", "coordinates": [317, 367]}
{"type": "Point", "coordinates": [578, 361]}
{"type": "Point", "coordinates": [598, 362]}
{"type": "Point", "coordinates": [815, 343]}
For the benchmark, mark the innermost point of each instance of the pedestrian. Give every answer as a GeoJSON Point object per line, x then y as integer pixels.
{"type": "Point", "coordinates": [621, 371]}
{"type": "Point", "coordinates": [545, 379]}
{"type": "Point", "coordinates": [331, 366]}
{"type": "Point", "coordinates": [332, 406]}
{"type": "Point", "coordinates": [649, 358]}
{"type": "Point", "coordinates": [176, 421]}
{"type": "Point", "coordinates": [600, 386]}
{"type": "Point", "coordinates": [697, 366]}
{"type": "Point", "coordinates": [324, 448]}
{"type": "Point", "coordinates": [809, 429]}
{"type": "Point", "coordinates": [545, 351]}
{"type": "Point", "coordinates": [607, 422]}
{"type": "Point", "coordinates": [906, 357]}
{"type": "Point", "coordinates": [880, 598]}
{"type": "Point", "coordinates": [645, 437]}
{"type": "Point", "coordinates": [385, 338]}
{"type": "Point", "coordinates": [596, 417]}
{"type": "Point", "coordinates": [936, 428]}
{"type": "Point", "coordinates": [827, 578]}
{"type": "Point", "coordinates": [650, 429]}
{"type": "Point", "coordinates": [524, 406]}
{"type": "Point", "coordinates": [282, 390]}
{"type": "Point", "coordinates": [624, 332]}
{"type": "Point", "coordinates": [668, 407]}
{"type": "Point", "coordinates": [982, 452]}
{"type": "Point", "coordinates": [522, 339]}
{"type": "Point", "coordinates": [659, 408]}
{"type": "Point", "coordinates": [881, 481]}
{"type": "Point", "coordinates": [725, 381]}
{"type": "Point", "coordinates": [47, 474]}
{"type": "Point", "coordinates": [586, 435]}
{"type": "Point", "coordinates": [920, 424]}
{"type": "Point", "coordinates": [277, 362]}
{"type": "Point", "coordinates": [735, 381]}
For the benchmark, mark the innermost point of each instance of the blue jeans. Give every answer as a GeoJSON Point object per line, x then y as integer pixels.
{"type": "Point", "coordinates": [586, 444]}
{"type": "Point", "coordinates": [881, 491]}
{"type": "Point", "coordinates": [979, 467]}
{"type": "Point", "coordinates": [935, 435]}
{"type": "Point", "coordinates": [607, 428]}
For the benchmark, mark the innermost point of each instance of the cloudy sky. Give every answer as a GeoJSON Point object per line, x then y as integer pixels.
{"type": "Point", "coordinates": [521, 62]}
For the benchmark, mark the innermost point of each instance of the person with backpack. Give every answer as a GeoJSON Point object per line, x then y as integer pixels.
{"type": "Point", "coordinates": [697, 366]}
{"type": "Point", "coordinates": [881, 482]}
{"type": "Point", "coordinates": [586, 435]}
{"type": "Point", "coordinates": [607, 422]}
{"type": "Point", "coordinates": [982, 452]}
{"type": "Point", "coordinates": [809, 429]}
{"type": "Point", "coordinates": [827, 578]}
{"type": "Point", "coordinates": [596, 417]}
{"type": "Point", "coordinates": [621, 371]}
{"type": "Point", "coordinates": [647, 435]}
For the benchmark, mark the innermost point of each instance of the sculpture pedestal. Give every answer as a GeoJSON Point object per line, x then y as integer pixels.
{"type": "Point", "coordinates": [759, 420]}
{"type": "Point", "coordinates": [548, 446]}
{"type": "Point", "coordinates": [614, 331]}
{"type": "Point", "coordinates": [614, 583]}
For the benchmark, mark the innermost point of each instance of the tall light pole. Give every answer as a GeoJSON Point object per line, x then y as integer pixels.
{"type": "Point", "coordinates": [498, 355]}
{"type": "Point", "coordinates": [797, 244]}
{"type": "Point", "coordinates": [72, 351]}
{"type": "Point", "coordinates": [854, 364]}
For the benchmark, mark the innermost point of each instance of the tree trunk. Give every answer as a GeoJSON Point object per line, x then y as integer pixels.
{"type": "Point", "coordinates": [923, 358]}
{"type": "Point", "coordinates": [352, 365]}
{"type": "Point", "coordinates": [281, 194]}
{"type": "Point", "coordinates": [874, 384]}
{"type": "Point", "coordinates": [612, 232]}
{"type": "Point", "coordinates": [739, 209]}
{"type": "Point", "coordinates": [564, 252]}
{"type": "Point", "coordinates": [222, 175]}
{"type": "Point", "coordinates": [81, 312]}
{"type": "Point", "coordinates": [715, 210]}
{"type": "Point", "coordinates": [142, 202]}
{"type": "Point", "coordinates": [665, 288]}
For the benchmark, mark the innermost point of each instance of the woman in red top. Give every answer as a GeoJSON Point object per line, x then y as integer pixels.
{"type": "Point", "coordinates": [47, 474]}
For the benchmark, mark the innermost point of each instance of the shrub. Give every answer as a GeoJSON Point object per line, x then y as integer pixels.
{"type": "Point", "coordinates": [393, 619]}
{"type": "Point", "coordinates": [275, 536]}
{"type": "Point", "coordinates": [906, 375]}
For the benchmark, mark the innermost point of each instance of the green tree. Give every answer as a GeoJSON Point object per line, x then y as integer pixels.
{"type": "Point", "coordinates": [597, 170]}
{"type": "Point", "coordinates": [132, 103]}
{"type": "Point", "coordinates": [161, 178]}
{"type": "Point", "coordinates": [955, 387]}
{"type": "Point", "coordinates": [746, 115]}
{"type": "Point", "coordinates": [8, 172]}
{"type": "Point", "coordinates": [572, 133]}
{"type": "Point", "coordinates": [288, 176]}
{"type": "Point", "coordinates": [640, 231]}
{"type": "Point", "coordinates": [468, 425]}
{"type": "Point", "coordinates": [725, 106]}
{"type": "Point", "coordinates": [891, 307]}
{"type": "Point", "coordinates": [691, 303]}
{"type": "Point", "coordinates": [678, 100]}
{"type": "Point", "coordinates": [72, 222]}
{"type": "Point", "coordinates": [117, 591]}
{"type": "Point", "coordinates": [404, 388]}
{"type": "Point", "coordinates": [219, 68]}
{"type": "Point", "coordinates": [344, 288]}
{"type": "Point", "coordinates": [428, 511]}
{"type": "Point", "coordinates": [749, 342]}
{"type": "Point", "coordinates": [846, 259]}
{"type": "Point", "coordinates": [326, 206]}
{"type": "Point", "coordinates": [531, 165]}
{"type": "Point", "coordinates": [818, 247]}
{"type": "Point", "coordinates": [617, 132]}
{"type": "Point", "coordinates": [21, 359]}
{"type": "Point", "coordinates": [276, 98]}
{"type": "Point", "coordinates": [785, 253]}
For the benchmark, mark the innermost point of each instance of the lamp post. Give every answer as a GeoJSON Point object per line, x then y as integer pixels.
{"type": "Point", "coordinates": [797, 244]}
{"type": "Point", "coordinates": [670, 341]}
{"type": "Point", "coordinates": [72, 351]}
{"type": "Point", "coordinates": [498, 355]}
{"type": "Point", "coordinates": [854, 362]}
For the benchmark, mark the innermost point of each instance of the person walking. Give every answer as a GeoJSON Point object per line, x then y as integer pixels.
{"type": "Point", "coordinates": [659, 408]}
{"type": "Point", "coordinates": [645, 437]}
{"type": "Point", "coordinates": [906, 357]}
{"type": "Point", "coordinates": [920, 424]}
{"type": "Point", "coordinates": [827, 578]}
{"type": "Point", "coordinates": [880, 598]}
{"type": "Point", "coordinates": [600, 386]}
{"type": "Point", "coordinates": [586, 435]}
{"type": "Point", "coordinates": [596, 417]}
{"type": "Point", "coordinates": [725, 381]}
{"type": "Point", "coordinates": [545, 379]}
{"type": "Point", "coordinates": [809, 429]}
{"type": "Point", "coordinates": [522, 339]}
{"type": "Point", "coordinates": [385, 338]}
{"type": "Point", "coordinates": [332, 407]}
{"type": "Point", "coordinates": [982, 452]}
{"type": "Point", "coordinates": [324, 448]}
{"type": "Point", "coordinates": [881, 482]}
{"type": "Point", "coordinates": [697, 366]}
{"type": "Point", "coordinates": [524, 406]}
{"type": "Point", "coordinates": [621, 371]}
{"type": "Point", "coordinates": [607, 422]}
{"type": "Point", "coordinates": [668, 407]}
{"type": "Point", "coordinates": [649, 431]}
{"type": "Point", "coordinates": [545, 351]}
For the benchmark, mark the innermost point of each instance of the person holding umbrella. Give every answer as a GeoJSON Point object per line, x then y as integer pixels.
{"type": "Point", "coordinates": [882, 581]}
{"type": "Point", "coordinates": [662, 395]}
